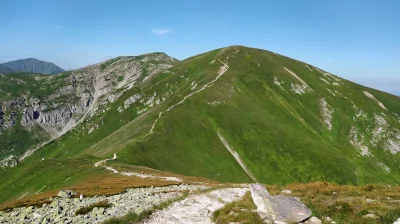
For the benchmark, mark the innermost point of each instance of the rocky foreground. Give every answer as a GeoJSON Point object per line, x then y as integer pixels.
{"type": "Point", "coordinates": [62, 209]}
{"type": "Point", "coordinates": [197, 207]}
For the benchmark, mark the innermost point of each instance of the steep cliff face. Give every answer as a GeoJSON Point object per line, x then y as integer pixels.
{"type": "Point", "coordinates": [69, 97]}
{"type": "Point", "coordinates": [8, 113]}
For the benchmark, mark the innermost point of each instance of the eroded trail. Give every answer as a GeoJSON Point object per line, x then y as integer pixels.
{"type": "Point", "coordinates": [237, 157]}
{"type": "Point", "coordinates": [197, 208]}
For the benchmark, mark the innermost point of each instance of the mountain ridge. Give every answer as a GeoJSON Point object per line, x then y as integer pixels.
{"type": "Point", "coordinates": [32, 65]}
{"type": "Point", "coordinates": [286, 120]}
{"type": "Point", "coordinates": [295, 88]}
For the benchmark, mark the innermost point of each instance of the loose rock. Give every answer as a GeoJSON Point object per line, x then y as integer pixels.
{"type": "Point", "coordinates": [286, 192]}
{"type": "Point", "coordinates": [312, 220]}
{"type": "Point", "coordinates": [62, 209]}
{"type": "Point", "coordinates": [371, 216]}
{"type": "Point", "coordinates": [369, 200]}
{"type": "Point", "coordinates": [278, 208]}
{"type": "Point", "coordinates": [66, 193]}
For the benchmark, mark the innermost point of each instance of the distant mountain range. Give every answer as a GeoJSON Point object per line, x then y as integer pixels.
{"type": "Point", "coordinates": [30, 65]}
{"type": "Point", "coordinates": [4, 69]}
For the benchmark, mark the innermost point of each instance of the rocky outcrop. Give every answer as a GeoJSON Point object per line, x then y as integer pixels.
{"type": "Point", "coordinates": [62, 209]}
{"type": "Point", "coordinates": [15, 104]}
{"type": "Point", "coordinates": [326, 112]}
{"type": "Point", "coordinates": [8, 113]}
{"type": "Point", "coordinates": [131, 100]}
{"type": "Point", "coordinates": [10, 161]}
{"type": "Point", "coordinates": [278, 209]}
{"type": "Point", "coordinates": [79, 94]}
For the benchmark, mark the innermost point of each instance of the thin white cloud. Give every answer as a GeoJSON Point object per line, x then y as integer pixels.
{"type": "Point", "coordinates": [58, 27]}
{"type": "Point", "coordinates": [161, 31]}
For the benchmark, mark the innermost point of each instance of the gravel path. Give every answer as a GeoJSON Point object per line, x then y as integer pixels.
{"type": "Point", "coordinates": [196, 208]}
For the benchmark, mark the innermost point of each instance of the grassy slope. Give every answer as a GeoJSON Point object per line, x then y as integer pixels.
{"type": "Point", "coordinates": [19, 139]}
{"type": "Point", "coordinates": [278, 134]}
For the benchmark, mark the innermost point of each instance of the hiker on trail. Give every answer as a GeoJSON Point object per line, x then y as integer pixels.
{"type": "Point", "coordinates": [80, 197]}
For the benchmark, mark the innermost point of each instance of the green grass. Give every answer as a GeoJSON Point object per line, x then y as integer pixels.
{"type": "Point", "coordinates": [33, 85]}
{"type": "Point", "coordinates": [18, 139]}
{"type": "Point", "coordinates": [279, 135]}
{"type": "Point", "coordinates": [108, 63]}
{"type": "Point", "coordinates": [35, 174]}
{"type": "Point", "coordinates": [242, 211]}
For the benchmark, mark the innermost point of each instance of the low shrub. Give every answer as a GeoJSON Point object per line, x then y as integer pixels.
{"type": "Point", "coordinates": [87, 209]}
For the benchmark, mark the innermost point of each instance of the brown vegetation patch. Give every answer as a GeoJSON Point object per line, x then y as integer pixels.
{"type": "Point", "coordinates": [105, 184]}
{"type": "Point", "coordinates": [348, 204]}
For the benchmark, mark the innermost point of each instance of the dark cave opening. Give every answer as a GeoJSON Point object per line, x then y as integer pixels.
{"type": "Point", "coordinates": [36, 115]}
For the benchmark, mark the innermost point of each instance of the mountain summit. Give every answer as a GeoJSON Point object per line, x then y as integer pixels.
{"type": "Point", "coordinates": [32, 65]}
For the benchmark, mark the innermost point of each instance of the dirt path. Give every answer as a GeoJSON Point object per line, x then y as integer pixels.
{"type": "Point", "coordinates": [104, 161]}
{"type": "Point", "coordinates": [141, 175]}
{"type": "Point", "coordinates": [197, 208]}
{"type": "Point", "coordinates": [221, 71]}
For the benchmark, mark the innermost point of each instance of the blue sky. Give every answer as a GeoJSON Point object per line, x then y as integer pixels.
{"type": "Point", "coordinates": [358, 40]}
